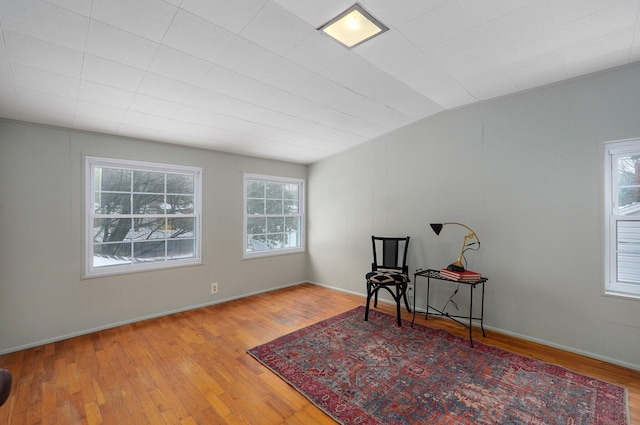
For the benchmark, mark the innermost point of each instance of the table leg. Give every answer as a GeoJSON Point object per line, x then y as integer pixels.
{"type": "Point", "coordinates": [415, 287]}
{"type": "Point", "coordinates": [426, 314]}
{"type": "Point", "coordinates": [482, 312]}
{"type": "Point", "coordinates": [470, 317]}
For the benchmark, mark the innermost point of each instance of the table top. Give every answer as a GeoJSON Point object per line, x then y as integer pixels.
{"type": "Point", "coordinates": [435, 274]}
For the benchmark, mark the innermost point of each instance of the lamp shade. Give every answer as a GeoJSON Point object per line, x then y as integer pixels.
{"type": "Point", "coordinates": [437, 228]}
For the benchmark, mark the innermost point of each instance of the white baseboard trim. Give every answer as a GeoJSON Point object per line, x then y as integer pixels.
{"type": "Point", "coordinates": [138, 319]}
{"type": "Point", "coordinates": [223, 300]}
{"type": "Point", "coordinates": [515, 335]}
{"type": "Point", "coordinates": [566, 348]}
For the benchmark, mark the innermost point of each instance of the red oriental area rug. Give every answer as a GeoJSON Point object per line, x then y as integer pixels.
{"type": "Point", "coordinates": [376, 373]}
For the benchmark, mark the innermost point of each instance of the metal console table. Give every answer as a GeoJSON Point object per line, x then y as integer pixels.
{"type": "Point", "coordinates": [435, 274]}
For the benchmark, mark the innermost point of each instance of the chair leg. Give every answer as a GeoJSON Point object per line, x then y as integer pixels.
{"type": "Point", "coordinates": [400, 291]}
{"type": "Point", "coordinates": [5, 385]}
{"type": "Point", "coordinates": [406, 302]}
{"type": "Point", "coordinates": [369, 294]}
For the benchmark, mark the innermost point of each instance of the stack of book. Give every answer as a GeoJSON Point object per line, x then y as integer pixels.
{"type": "Point", "coordinates": [465, 276]}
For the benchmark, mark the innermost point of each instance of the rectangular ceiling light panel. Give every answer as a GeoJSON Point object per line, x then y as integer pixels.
{"type": "Point", "coordinates": [354, 26]}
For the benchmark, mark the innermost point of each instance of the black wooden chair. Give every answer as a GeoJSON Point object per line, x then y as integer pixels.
{"type": "Point", "coordinates": [5, 385]}
{"type": "Point", "coordinates": [389, 271]}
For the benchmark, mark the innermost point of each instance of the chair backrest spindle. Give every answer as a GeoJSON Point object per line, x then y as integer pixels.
{"type": "Point", "coordinates": [391, 248]}
{"type": "Point", "coordinates": [390, 253]}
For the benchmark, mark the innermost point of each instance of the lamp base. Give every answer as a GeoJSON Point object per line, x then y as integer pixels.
{"type": "Point", "coordinates": [455, 268]}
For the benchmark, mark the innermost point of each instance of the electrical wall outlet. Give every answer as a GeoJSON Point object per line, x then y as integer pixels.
{"type": "Point", "coordinates": [214, 288]}
{"type": "Point", "coordinates": [410, 290]}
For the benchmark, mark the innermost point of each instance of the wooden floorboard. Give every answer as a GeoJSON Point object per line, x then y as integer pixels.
{"type": "Point", "coordinates": [192, 368]}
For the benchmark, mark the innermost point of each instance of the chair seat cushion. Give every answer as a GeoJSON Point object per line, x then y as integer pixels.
{"type": "Point", "coordinates": [387, 278]}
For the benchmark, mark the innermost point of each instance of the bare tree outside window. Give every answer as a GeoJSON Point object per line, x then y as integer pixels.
{"type": "Point", "coordinates": [273, 215]}
{"type": "Point", "coordinates": [142, 216]}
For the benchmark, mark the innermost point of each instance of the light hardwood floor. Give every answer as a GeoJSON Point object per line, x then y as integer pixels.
{"type": "Point", "coordinates": [193, 368]}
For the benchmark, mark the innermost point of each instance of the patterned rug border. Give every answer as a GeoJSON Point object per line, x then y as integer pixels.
{"type": "Point", "coordinates": [530, 362]}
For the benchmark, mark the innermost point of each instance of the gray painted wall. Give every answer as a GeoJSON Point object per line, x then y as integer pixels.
{"type": "Point", "coordinates": [42, 295]}
{"type": "Point", "coordinates": [525, 172]}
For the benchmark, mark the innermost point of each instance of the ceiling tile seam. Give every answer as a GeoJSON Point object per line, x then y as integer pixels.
{"type": "Point", "coordinates": [311, 24]}
{"type": "Point", "coordinates": [312, 100]}
{"type": "Point", "coordinates": [562, 50]}
{"type": "Point", "coordinates": [279, 111]}
{"type": "Point", "coordinates": [10, 60]}
{"type": "Point", "coordinates": [19, 99]}
{"type": "Point", "coordinates": [147, 72]}
{"type": "Point", "coordinates": [403, 83]}
{"type": "Point", "coordinates": [282, 56]}
{"type": "Point", "coordinates": [493, 48]}
{"type": "Point", "coordinates": [553, 18]}
{"type": "Point", "coordinates": [260, 82]}
{"type": "Point", "coordinates": [292, 92]}
{"type": "Point", "coordinates": [475, 28]}
{"type": "Point", "coordinates": [440, 67]}
{"type": "Point", "coordinates": [377, 15]}
{"type": "Point", "coordinates": [381, 102]}
{"type": "Point", "coordinates": [266, 138]}
{"type": "Point", "coordinates": [92, 19]}
{"type": "Point", "coordinates": [401, 34]}
{"type": "Point", "coordinates": [234, 35]}
{"type": "Point", "coordinates": [311, 34]}
{"type": "Point", "coordinates": [160, 45]}
{"type": "Point", "coordinates": [252, 18]}
{"type": "Point", "coordinates": [331, 109]}
{"type": "Point", "coordinates": [292, 132]}
{"type": "Point", "coordinates": [284, 112]}
{"type": "Point", "coordinates": [155, 55]}
{"type": "Point", "coordinates": [636, 36]}
{"type": "Point", "coordinates": [510, 41]}
{"type": "Point", "coordinates": [75, 12]}
{"type": "Point", "coordinates": [11, 63]}
{"type": "Point", "coordinates": [6, 54]}
{"type": "Point", "coordinates": [130, 109]}
{"type": "Point", "coordinates": [497, 57]}
{"type": "Point", "coordinates": [409, 20]}
{"type": "Point", "coordinates": [360, 94]}
{"type": "Point", "coordinates": [495, 18]}
{"type": "Point", "coordinates": [84, 54]}
{"type": "Point", "coordinates": [555, 25]}
{"type": "Point", "coordinates": [636, 31]}
{"type": "Point", "coordinates": [295, 118]}
{"type": "Point", "coordinates": [579, 18]}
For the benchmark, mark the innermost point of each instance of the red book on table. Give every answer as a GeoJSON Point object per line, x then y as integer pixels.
{"type": "Point", "coordinates": [465, 276]}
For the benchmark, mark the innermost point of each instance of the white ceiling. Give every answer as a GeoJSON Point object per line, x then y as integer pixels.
{"type": "Point", "coordinates": [254, 77]}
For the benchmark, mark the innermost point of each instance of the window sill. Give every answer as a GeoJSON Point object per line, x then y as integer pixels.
{"type": "Point", "coordinates": [273, 253]}
{"type": "Point", "coordinates": [623, 295]}
{"type": "Point", "coordinates": [131, 270]}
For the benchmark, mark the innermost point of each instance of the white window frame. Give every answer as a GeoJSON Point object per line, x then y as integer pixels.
{"type": "Point", "coordinates": [612, 285]}
{"type": "Point", "coordinates": [246, 253]}
{"type": "Point", "coordinates": [91, 163]}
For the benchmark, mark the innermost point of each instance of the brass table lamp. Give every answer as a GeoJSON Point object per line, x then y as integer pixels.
{"type": "Point", "coordinates": [457, 265]}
